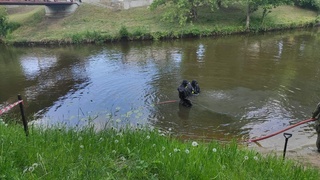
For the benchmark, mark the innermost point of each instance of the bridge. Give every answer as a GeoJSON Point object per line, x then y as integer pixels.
{"type": "Point", "coordinates": [52, 7]}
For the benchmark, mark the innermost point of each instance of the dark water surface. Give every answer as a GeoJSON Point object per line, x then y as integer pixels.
{"type": "Point", "coordinates": [251, 85]}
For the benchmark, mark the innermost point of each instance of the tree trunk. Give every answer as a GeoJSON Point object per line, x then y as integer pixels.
{"type": "Point", "coordinates": [248, 18]}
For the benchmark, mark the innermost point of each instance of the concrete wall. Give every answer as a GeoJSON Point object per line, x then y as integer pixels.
{"type": "Point", "coordinates": [60, 10]}
{"type": "Point", "coordinates": [127, 4]}
{"type": "Point", "coordinates": [119, 4]}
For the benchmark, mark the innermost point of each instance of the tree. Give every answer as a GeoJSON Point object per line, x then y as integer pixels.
{"type": "Point", "coordinates": [3, 25]}
{"type": "Point", "coordinates": [266, 5]}
{"type": "Point", "coordinates": [185, 10]}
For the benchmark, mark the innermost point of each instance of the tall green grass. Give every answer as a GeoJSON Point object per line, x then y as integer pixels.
{"type": "Point", "coordinates": [132, 153]}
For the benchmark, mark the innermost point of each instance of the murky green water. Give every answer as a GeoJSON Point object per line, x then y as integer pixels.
{"type": "Point", "coordinates": [251, 85]}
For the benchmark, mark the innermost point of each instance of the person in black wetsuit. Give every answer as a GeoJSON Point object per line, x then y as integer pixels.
{"type": "Point", "coordinates": [185, 90]}
{"type": "Point", "coordinates": [195, 86]}
{"type": "Point", "coordinates": [315, 115]}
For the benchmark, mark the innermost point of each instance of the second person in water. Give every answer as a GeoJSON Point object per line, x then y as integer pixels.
{"type": "Point", "coordinates": [187, 89]}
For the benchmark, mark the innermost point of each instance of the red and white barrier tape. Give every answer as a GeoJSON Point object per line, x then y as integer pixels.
{"type": "Point", "coordinates": [10, 107]}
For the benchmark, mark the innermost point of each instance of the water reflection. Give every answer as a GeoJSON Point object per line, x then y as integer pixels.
{"type": "Point", "coordinates": [251, 85]}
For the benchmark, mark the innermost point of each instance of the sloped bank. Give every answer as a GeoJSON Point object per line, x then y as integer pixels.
{"type": "Point", "coordinates": [93, 24]}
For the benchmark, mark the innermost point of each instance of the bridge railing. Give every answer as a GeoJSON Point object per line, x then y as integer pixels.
{"type": "Point", "coordinates": [36, 1]}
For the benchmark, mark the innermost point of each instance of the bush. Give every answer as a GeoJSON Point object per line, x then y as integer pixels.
{"type": "Point", "coordinates": [5, 26]}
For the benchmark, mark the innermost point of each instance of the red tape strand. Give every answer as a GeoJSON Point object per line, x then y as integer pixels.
{"type": "Point", "coordinates": [10, 107]}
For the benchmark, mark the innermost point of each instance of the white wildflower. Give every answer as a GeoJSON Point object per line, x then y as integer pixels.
{"type": "Point", "coordinates": [214, 150]}
{"type": "Point", "coordinates": [176, 150]}
{"type": "Point", "coordinates": [187, 151]}
{"type": "Point", "coordinates": [194, 143]}
{"type": "Point", "coordinates": [246, 158]}
{"type": "Point", "coordinates": [148, 137]}
{"type": "Point", "coordinates": [116, 141]}
{"type": "Point", "coordinates": [256, 158]}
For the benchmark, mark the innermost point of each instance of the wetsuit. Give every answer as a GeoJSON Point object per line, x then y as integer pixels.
{"type": "Point", "coordinates": [184, 92]}
{"type": "Point", "coordinates": [195, 86]}
{"type": "Point", "coordinates": [315, 114]}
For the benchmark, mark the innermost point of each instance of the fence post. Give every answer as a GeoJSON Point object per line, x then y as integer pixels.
{"type": "Point", "coordinates": [24, 121]}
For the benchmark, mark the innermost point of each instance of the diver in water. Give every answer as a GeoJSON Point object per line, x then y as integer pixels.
{"type": "Point", "coordinates": [195, 86]}
{"type": "Point", "coordinates": [315, 115]}
{"type": "Point", "coordinates": [185, 90]}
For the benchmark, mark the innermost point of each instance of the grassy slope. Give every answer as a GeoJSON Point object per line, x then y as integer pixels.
{"type": "Point", "coordinates": [89, 18]}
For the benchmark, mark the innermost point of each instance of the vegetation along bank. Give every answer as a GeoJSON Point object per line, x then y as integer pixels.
{"type": "Point", "coordinates": [132, 153]}
{"type": "Point", "coordinates": [161, 20]}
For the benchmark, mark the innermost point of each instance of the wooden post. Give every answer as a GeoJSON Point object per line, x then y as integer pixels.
{"type": "Point", "coordinates": [24, 121]}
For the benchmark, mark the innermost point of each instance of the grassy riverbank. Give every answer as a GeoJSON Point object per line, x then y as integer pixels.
{"type": "Point", "coordinates": [97, 24]}
{"type": "Point", "coordinates": [132, 154]}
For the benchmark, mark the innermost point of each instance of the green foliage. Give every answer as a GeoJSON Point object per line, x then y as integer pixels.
{"type": "Point", "coordinates": [183, 11]}
{"type": "Point", "coordinates": [94, 37]}
{"type": "Point", "coordinates": [132, 153]}
{"type": "Point", "coordinates": [311, 4]}
{"type": "Point", "coordinates": [5, 26]}
{"type": "Point", "coordinates": [77, 38]}
{"type": "Point", "coordinates": [140, 33]}
{"type": "Point", "coordinates": [123, 32]}
{"type": "Point", "coordinates": [88, 37]}
{"type": "Point", "coordinates": [3, 11]}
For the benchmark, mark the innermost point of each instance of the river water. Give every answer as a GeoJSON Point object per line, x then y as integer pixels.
{"type": "Point", "coordinates": [252, 85]}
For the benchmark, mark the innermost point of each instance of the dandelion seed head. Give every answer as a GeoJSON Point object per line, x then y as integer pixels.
{"type": "Point", "coordinates": [170, 129]}
{"type": "Point", "coordinates": [256, 158]}
{"type": "Point", "coordinates": [246, 157]}
{"type": "Point", "coordinates": [116, 141]}
{"type": "Point", "coordinates": [194, 143]}
{"type": "Point", "coordinates": [176, 150]}
{"type": "Point", "coordinates": [214, 150]}
{"type": "Point", "coordinates": [80, 138]}
{"type": "Point", "coordinates": [153, 145]}
{"type": "Point", "coordinates": [81, 146]}
{"type": "Point", "coordinates": [187, 151]}
{"type": "Point", "coordinates": [148, 137]}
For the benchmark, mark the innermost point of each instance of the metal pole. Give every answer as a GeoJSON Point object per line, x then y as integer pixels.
{"type": "Point", "coordinates": [24, 121]}
{"type": "Point", "coordinates": [287, 136]}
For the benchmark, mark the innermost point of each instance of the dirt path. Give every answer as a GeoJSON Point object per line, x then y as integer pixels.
{"type": "Point", "coordinates": [307, 155]}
